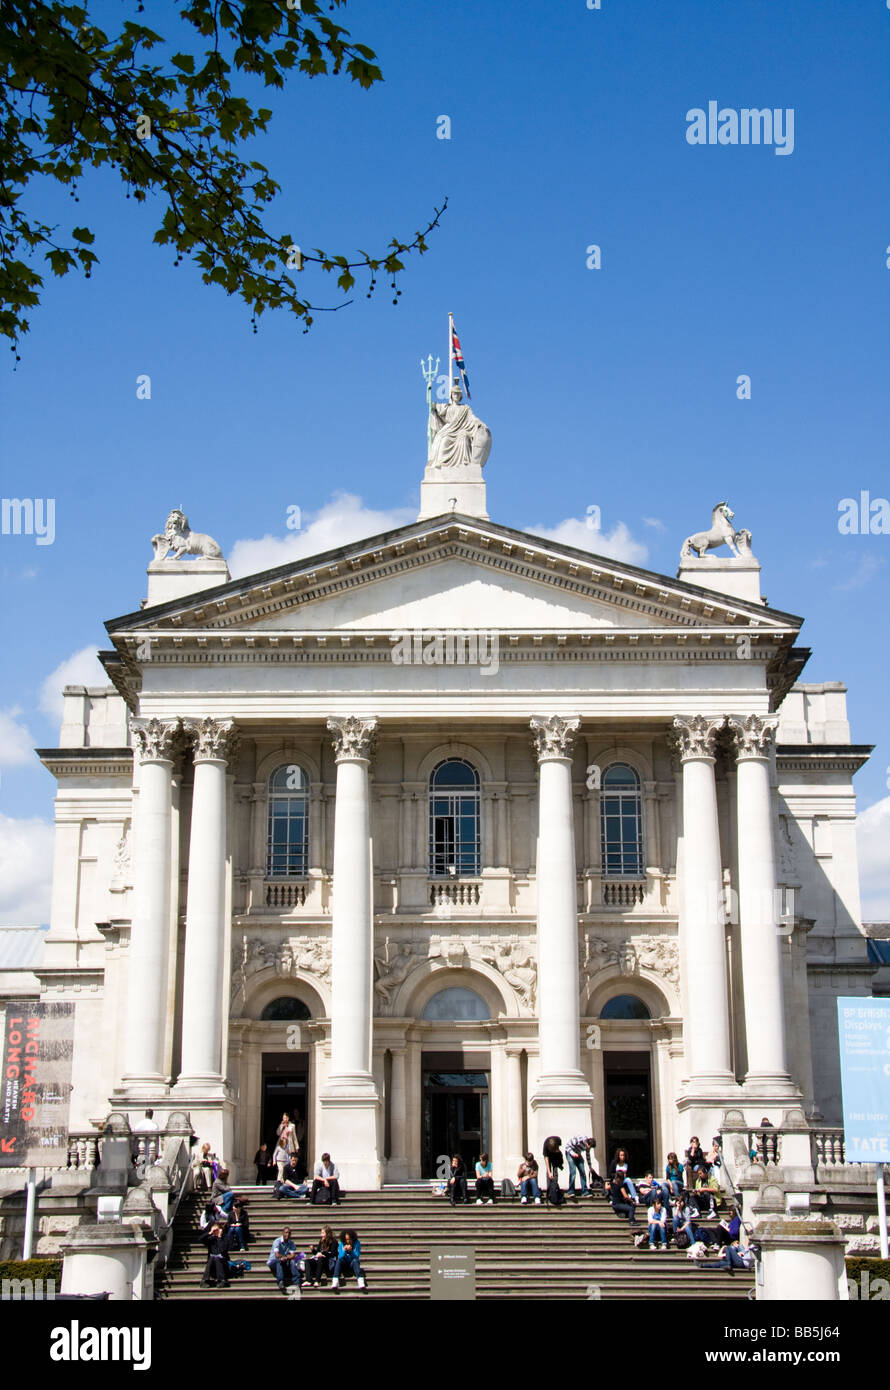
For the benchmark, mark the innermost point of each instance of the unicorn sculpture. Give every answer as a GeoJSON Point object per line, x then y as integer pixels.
{"type": "Point", "coordinates": [722, 532]}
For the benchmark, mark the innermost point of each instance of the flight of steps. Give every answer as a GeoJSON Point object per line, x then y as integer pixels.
{"type": "Point", "coordinates": [521, 1251]}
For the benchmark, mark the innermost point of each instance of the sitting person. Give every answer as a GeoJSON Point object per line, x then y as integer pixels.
{"type": "Point", "coordinates": [619, 1172]}
{"type": "Point", "coordinates": [326, 1182]}
{"type": "Point", "coordinates": [706, 1185]}
{"type": "Point", "coordinates": [730, 1227]}
{"type": "Point", "coordinates": [284, 1260]}
{"type": "Point", "coordinates": [648, 1186]}
{"type": "Point", "coordinates": [657, 1222]}
{"type": "Point", "coordinates": [289, 1188]}
{"type": "Point", "coordinates": [623, 1204]}
{"type": "Point", "coordinates": [239, 1225]}
{"type": "Point", "coordinates": [216, 1270]}
{"type": "Point", "coordinates": [204, 1168]}
{"type": "Point", "coordinates": [348, 1251]}
{"type": "Point", "coordinates": [674, 1175]}
{"type": "Point", "coordinates": [527, 1177]}
{"type": "Point", "coordinates": [732, 1257]}
{"type": "Point", "coordinates": [695, 1161]}
{"type": "Point", "coordinates": [221, 1195]}
{"type": "Point", "coordinates": [684, 1222]}
{"type": "Point", "coordinates": [322, 1258]}
{"type": "Point", "coordinates": [457, 1181]}
{"type": "Point", "coordinates": [484, 1181]}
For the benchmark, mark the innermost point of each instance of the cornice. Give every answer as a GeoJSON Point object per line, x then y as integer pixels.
{"type": "Point", "coordinates": [823, 757]}
{"type": "Point", "coordinates": [87, 762]}
{"type": "Point", "coordinates": [516, 553]}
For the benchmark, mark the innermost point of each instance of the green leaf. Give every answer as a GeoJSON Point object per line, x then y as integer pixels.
{"type": "Point", "coordinates": [83, 234]}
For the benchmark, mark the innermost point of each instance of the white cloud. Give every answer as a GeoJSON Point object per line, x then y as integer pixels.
{"type": "Point", "coordinates": [16, 743]}
{"type": "Point", "coordinates": [618, 545]}
{"type": "Point", "coordinates": [654, 522]}
{"type": "Point", "coordinates": [345, 518]}
{"type": "Point", "coordinates": [873, 843]}
{"type": "Point", "coordinates": [26, 861]}
{"type": "Point", "coordinates": [80, 669]}
{"type": "Point", "coordinates": [863, 574]}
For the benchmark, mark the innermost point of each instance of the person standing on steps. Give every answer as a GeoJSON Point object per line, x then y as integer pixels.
{"type": "Point", "coordinates": [261, 1162]}
{"type": "Point", "coordinates": [287, 1138]}
{"type": "Point", "coordinates": [577, 1150]}
{"type": "Point", "coordinates": [553, 1164]}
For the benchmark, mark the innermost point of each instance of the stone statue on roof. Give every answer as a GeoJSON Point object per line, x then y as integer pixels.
{"type": "Point", "coordinates": [458, 438]}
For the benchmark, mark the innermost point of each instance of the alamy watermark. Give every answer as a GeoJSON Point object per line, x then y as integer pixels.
{"type": "Point", "coordinates": [27, 1290]}
{"type": "Point", "coordinates": [452, 647]}
{"type": "Point", "coordinates": [750, 125]}
{"type": "Point", "coordinates": [29, 516]}
{"type": "Point", "coordinates": [864, 515]}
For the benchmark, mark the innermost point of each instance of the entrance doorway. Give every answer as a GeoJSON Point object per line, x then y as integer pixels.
{"type": "Point", "coordinates": [627, 1086]}
{"type": "Point", "coordinates": [286, 1088]}
{"type": "Point", "coordinates": [456, 1110]}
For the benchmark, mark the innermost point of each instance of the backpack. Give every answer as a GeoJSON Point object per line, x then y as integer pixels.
{"type": "Point", "coordinates": [508, 1188]}
{"type": "Point", "coordinates": [682, 1241]}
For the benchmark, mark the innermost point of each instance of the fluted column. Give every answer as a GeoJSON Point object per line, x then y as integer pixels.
{"type": "Point", "coordinates": [753, 738]}
{"type": "Point", "coordinates": [702, 917]}
{"type": "Point", "coordinates": [206, 935]}
{"type": "Point", "coordinates": [350, 1102]}
{"type": "Point", "coordinates": [154, 742]}
{"type": "Point", "coordinates": [562, 1091]}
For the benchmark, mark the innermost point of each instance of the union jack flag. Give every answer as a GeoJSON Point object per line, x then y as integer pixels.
{"type": "Point", "coordinates": [457, 353]}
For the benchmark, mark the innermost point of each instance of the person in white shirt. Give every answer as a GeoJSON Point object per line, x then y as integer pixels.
{"type": "Point", "coordinates": [326, 1178]}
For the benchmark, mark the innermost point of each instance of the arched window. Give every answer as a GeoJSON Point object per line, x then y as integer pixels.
{"type": "Point", "coordinates": [622, 822]}
{"type": "Point", "coordinates": [454, 820]}
{"type": "Point", "coordinates": [286, 1009]}
{"type": "Point", "coordinates": [287, 842]}
{"type": "Point", "coordinates": [456, 1005]}
{"type": "Point", "coordinates": [625, 1006]}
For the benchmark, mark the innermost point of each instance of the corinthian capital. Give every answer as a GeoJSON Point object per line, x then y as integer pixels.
{"type": "Point", "coordinates": [696, 735]}
{"type": "Point", "coordinates": [352, 738]}
{"type": "Point", "coordinates": [753, 735]}
{"type": "Point", "coordinates": [211, 738]}
{"type": "Point", "coordinates": [553, 736]}
{"type": "Point", "coordinates": [155, 740]}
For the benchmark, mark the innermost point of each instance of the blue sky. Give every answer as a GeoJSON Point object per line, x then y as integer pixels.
{"type": "Point", "coordinates": [613, 387]}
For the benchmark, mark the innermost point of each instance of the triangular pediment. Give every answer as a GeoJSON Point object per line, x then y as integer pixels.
{"type": "Point", "coordinates": [454, 572]}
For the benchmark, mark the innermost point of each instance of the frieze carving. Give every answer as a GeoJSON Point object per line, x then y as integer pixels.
{"type": "Point", "coordinates": [511, 957]}
{"type": "Point", "coordinates": [553, 736]}
{"type": "Point", "coordinates": [660, 955]}
{"type": "Point", "coordinates": [352, 737]}
{"type": "Point", "coordinates": [295, 955]}
{"type": "Point", "coordinates": [696, 736]}
{"type": "Point", "coordinates": [122, 878]}
{"type": "Point", "coordinates": [156, 740]}
{"type": "Point", "coordinates": [212, 738]}
{"type": "Point", "coordinates": [753, 736]}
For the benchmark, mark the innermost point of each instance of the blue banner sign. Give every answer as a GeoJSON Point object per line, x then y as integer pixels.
{"type": "Point", "coordinates": [864, 1033]}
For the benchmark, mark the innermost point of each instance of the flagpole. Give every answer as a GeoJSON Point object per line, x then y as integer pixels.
{"type": "Point", "coordinates": [450, 354]}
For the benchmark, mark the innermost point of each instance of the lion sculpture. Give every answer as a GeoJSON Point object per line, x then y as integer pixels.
{"type": "Point", "coordinates": [182, 540]}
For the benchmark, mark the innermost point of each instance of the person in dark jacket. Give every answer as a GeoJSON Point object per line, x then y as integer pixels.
{"type": "Point", "coordinates": [695, 1161]}
{"type": "Point", "coordinates": [216, 1270]}
{"type": "Point", "coordinates": [322, 1258]}
{"type": "Point", "coordinates": [239, 1225]}
{"type": "Point", "coordinates": [553, 1164]}
{"type": "Point", "coordinates": [262, 1159]}
{"type": "Point", "coordinates": [457, 1181]}
{"type": "Point", "coordinates": [619, 1174]}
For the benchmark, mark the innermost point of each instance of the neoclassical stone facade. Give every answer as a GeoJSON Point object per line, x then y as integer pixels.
{"type": "Point", "coordinates": [606, 884]}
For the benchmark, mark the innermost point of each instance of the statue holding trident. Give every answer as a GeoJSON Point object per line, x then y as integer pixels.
{"type": "Point", "coordinates": [457, 438]}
